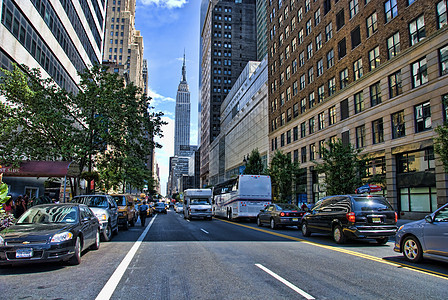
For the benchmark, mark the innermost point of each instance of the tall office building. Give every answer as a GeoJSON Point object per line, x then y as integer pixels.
{"type": "Point", "coordinates": [61, 38]}
{"type": "Point", "coordinates": [262, 30]}
{"type": "Point", "coordinates": [371, 73]}
{"type": "Point", "coordinates": [182, 114]}
{"type": "Point", "coordinates": [228, 42]}
{"type": "Point", "coordinates": [123, 44]}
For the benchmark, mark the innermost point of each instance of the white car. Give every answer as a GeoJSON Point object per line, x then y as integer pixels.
{"type": "Point", "coordinates": [179, 207]}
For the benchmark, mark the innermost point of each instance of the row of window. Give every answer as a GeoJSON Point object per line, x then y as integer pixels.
{"type": "Point", "coordinates": [89, 17]}
{"type": "Point", "coordinates": [27, 35]}
{"type": "Point", "coordinates": [422, 122]}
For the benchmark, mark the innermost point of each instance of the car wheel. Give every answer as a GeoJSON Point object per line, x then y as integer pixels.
{"type": "Point", "coordinates": [338, 235]}
{"type": "Point", "coordinates": [305, 230]}
{"type": "Point", "coordinates": [259, 222]}
{"type": "Point", "coordinates": [76, 258]}
{"type": "Point", "coordinates": [229, 215]}
{"type": "Point", "coordinates": [96, 245]}
{"type": "Point", "coordinates": [107, 233]}
{"type": "Point", "coordinates": [412, 250]}
{"type": "Point", "coordinates": [273, 224]}
{"type": "Point", "coordinates": [382, 241]}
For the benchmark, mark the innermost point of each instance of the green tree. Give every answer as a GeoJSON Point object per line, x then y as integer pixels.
{"type": "Point", "coordinates": [254, 164]}
{"type": "Point", "coordinates": [284, 174]}
{"type": "Point", "coordinates": [343, 168]}
{"type": "Point", "coordinates": [105, 123]}
{"type": "Point", "coordinates": [441, 141]}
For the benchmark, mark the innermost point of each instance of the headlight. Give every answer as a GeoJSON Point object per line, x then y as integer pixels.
{"type": "Point", "coordinates": [401, 227]}
{"type": "Point", "coordinates": [61, 237]}
{"type": "Point", "coordinates": [2, 241]}
{"type": "Point", "coordinates": [101, 217]}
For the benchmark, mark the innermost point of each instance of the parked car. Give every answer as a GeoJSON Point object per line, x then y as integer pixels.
{"type": "Point", "coordinates": [351, 217]}
{"type": "Point", "coordinates": [50, 232]}
{"type": "Point", "coordinates": [106, 210]}
{"type": "Point", "coordinates": [280, 214]}
{"type": "Point", "coordinates": [179, 207]}
{"type": "Point", "coordinates": [427, 238]}
{"type": "Point", "coordinates": [127, 215]}
{"type": "Point", "coordinates": [160, 207]}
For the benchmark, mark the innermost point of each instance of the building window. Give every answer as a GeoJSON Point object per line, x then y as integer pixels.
{"type": "Point", "coordinates": [309, 51]}
{"type": "Point", "coordinates": [282, 140]}
{"type": "Point", "coordinates": [441, 14]}
{"type": "Point", "coordinates": [302, 82]}
{"type": "Point", "coordinates": [371, 23]}
{"type": "Point", "coordinates": [318, 41]}
{"type": "Point", "coordinates": [332, 115]}
{"type": "Point", "coordinates": [393, 45]}
{"type": "Point", "coordinates": [342, 50]}
{"type": "Point", "coordinates": [417, 30]}
{"type": "Point", "coordinates": [300, 36]}
{"type": "Point", "coordinates": [307, 5]}
{"type": "Point", "coordinates": [422, 117]}
{"type": "Point", "coordinates": [308, 27]}
{"type": "Point", "coordinates": [310, 75]}
{"type": "Point", "coordinates": [418, 161]}
{"type": "Point", "coordinates": [288, 94]}
{"type": "Point", "coordinates": [303, 155]}
{"type": "Point", "coordinates": [443, 58]}
{"type": "Point", "coordinates": [288, 137]}
{"type": "Point", "coordinates": [294, 88]}
{"type": "Point", "coordinates": [343, 78]}
{"type": "Point", "coordinates": [354, 7]}
{"type": "Point", "coordinates": [374, 58]}
{"type": "Point", "coordinates": [398, 125]}
{"type": "Point", "coordinates": [311, 125]}
{"type": "Point", "coordinates": [302, 130]}
{"type": "Point", "coordinates": [321, 147]}
{"type": "Point", "coordinates": [445, 107]}
{"type": "Point", "coordinates": [419, 73]}
{"type": "Point", "coordinates": [321, 93]}
{"type": "Point", "coordinates": [377, 131]}
{"type": "Point", "coordinates": [360, 136]}
{"type": "Point", "coordinates": [359, 102]}
{"type": "Point", "coordinates": [295, 133]}
{"type": "Point", "coordinates": [317, 17]}
{"type": "Point", "coordinates": [294, 44]}
{"type": "Point", "coordinates": [301, 59]}
{"type": "Point", "coordinates": [356, 37]}
{"type": "Point", "coordinates": [311, 100]}
{"type": "Point", "coordinates": [295, 109]}
{"type": "Point", "coordinates": [294, 66]}
{"type": "Point", "coordinates": [303, 105]}
{"type": "Point", "coordinates": [331, 86]}
{"type": "Point", "coordinates": [320, 67]}
{"type": "Point", "coordinates": [321, 121]}
{"type": "Point", "coordinates": [344, 109]}
{"type": "Point", "coordinates": [357, 69]}
{"type": "Point", "coordinates": [327, 6]}
{"type": "Point", "coordinates": [328, 31]}
{"type": "Point", "coordinates": [340, 19]}
{"type": "Point", "coordinates": [395, 84]}
{"type": "Point", "coordinates": [330, 59]}
{"type": "Point", "coordinates": [375, 94]}
{"type": "Point", "coordinates": [313, 151]}
{"type": "Point", "coordinates": [391, 10]}
{"type": "Point", "coordinates": [299, 15]}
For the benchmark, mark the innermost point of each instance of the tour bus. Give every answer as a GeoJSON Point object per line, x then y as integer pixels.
{"type": "Point", "coordinates": [242, 197]}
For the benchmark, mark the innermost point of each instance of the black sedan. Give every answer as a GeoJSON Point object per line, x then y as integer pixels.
{"type": "Point", "coordinates": [50, 232]}
{"type": "Point", "coordinates": [280, 214]}
{"type": "Point", "coordinates": [160, 208]}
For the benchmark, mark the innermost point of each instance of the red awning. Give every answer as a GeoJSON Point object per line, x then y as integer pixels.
{"type": "Point", "coordinates": [39, 169]}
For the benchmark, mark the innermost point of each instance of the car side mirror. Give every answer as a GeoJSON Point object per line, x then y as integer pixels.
{"type": "Point", "coordinates": [429, 219]}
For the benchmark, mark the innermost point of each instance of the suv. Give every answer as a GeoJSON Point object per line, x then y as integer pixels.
{"type": "Point", "coordinates": [127, 215]}
{"type": "Point", "coordinates": [351, 217]}
{"type": "Point", "coordinates": [105, 209]}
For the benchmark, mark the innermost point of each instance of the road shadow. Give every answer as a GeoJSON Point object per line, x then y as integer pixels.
{"type": "Point", "coordinates": [432, 266]}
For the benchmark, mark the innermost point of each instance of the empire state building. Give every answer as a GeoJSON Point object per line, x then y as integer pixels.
{"type": "Point", "coordinates": [182, 117]}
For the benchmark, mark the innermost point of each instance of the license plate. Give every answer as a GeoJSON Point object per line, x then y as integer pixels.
{"type": "Point", "coordinates": [24, 253]}
{"type": "Point", "coordinates": [295, 219]}
{"type": "Point", "coordinates": [376, 220]}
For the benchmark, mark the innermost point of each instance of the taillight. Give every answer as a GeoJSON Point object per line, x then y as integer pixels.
{"type": "Point", "coordinates": [282, 214]}
{"type": "Point", "coordinates": [396, 217]}
{"type": "Point", "coordinates": [351, 217]}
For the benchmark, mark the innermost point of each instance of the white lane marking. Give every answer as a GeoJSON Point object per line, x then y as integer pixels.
{"type": "Point", "coordinates": [204, 231]}
{"type": "Point", "coordinates": [114, 280]}
{"type": "Point", "coordinates": [285, 282]}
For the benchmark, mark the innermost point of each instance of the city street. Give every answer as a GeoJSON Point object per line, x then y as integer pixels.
{"type": "Point", "coordinates": [218, 259]}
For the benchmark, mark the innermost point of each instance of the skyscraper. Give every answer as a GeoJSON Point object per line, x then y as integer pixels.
{"type": "Point", "coordinates": [182, 114]}
{"type": "Point", "coordinates": [228, 42]}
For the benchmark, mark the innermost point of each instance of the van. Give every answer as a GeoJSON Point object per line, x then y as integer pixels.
{"type": "Point", "coordinates": [198, 204]}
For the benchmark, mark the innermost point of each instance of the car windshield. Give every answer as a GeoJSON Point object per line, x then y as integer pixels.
{"type": "Point", "coordinates": [371, 204]}
{"type": "Point", "coordinates": [287, 207]}
{"type": "Point", "coordinates": [49, 214]}
{"type": "Point", "coordinates": [199, 201]}
{"type": "Point", "coordinates": [92, 201]}
{"type": "Point", "coordinates": [121, 200]}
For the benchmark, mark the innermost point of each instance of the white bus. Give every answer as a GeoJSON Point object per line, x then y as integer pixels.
{"type": "Point", "coordinates": [242, 197]}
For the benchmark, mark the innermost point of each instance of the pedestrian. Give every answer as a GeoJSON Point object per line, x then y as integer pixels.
{"type": "Point", "coordinates": [304, 207]}
{"type": "Point", "coordinates": [143, 212]}
{"type": "Point", "coordinates": [8, 206]}
{"type": "Point", "coordinates": [20, 207]}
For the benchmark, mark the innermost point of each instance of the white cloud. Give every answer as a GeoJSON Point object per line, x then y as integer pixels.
{"type": "Point", "coordinates": [163, 154]}
{"type": "Point", "coordinates": [165, 3]}
{"type": "Point", "coordinates": [158, 99]}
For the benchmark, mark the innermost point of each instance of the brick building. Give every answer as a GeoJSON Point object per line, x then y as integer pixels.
{"type": "Point", "coordinates": [371, 73]}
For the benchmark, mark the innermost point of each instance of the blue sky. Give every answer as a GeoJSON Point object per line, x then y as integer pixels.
{"type": "Point", "coordinates": [168, 27]}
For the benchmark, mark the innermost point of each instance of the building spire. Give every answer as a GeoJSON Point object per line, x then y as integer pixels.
{"type": "Point", "coordinates": [184, 71]}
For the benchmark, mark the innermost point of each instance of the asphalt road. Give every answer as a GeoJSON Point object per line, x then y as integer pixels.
{"type": "Point", "coordinates": [199, 259]}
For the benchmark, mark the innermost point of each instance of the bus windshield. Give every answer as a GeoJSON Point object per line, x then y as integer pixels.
{"type": "Point", "coordinates": [199, 201]}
